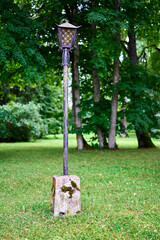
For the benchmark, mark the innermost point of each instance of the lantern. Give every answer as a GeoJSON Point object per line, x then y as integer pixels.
{"type": "Point", "coordinates": [66, 37]}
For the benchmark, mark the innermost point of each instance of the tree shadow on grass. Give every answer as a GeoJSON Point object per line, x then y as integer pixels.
{"type": "Point", "coordinates": [28, 154]}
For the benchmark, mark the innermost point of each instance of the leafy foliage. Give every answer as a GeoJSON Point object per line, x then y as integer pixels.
{"type": "Point", "coordinates": [28, 52]}
{"type": "Point", "coordinates": [20, 56]}
{"type": "Point", "coordinates": [95, 115]}
{"type": "Point", "coordinates": [50, 98]}
{"type": "Point", "coordinates": [154, 62]}
{"type": "Point", "coordinates": [143, 102]}
{"type": "Point", "coordinates": [21, 122]}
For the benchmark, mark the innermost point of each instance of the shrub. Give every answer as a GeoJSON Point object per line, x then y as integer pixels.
{"type": "Point", "coordinates": [21, 122]}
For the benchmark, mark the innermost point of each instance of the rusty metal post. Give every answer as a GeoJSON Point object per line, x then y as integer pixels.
{"type": "Point", "coordinates": [65, 115]}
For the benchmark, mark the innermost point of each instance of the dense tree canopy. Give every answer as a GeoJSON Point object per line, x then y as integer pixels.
{"type": "Point", "coordinates": [111, 39]}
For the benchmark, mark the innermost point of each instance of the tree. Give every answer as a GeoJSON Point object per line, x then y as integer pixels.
{"type": "Point", "coordinates": [75, 84]}
{"type": "Point", "coordinates": [28, 44]}
{"type": "Point", "coordinates": [21, 60]}
{"type": "Point", "coordinates": [96, 81]}
{"type": "Point", "coordinates": [134, 18]}
{"type": "Point", "coordinates": [112, 130]}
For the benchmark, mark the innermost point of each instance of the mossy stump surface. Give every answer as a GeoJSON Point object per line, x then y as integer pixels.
{"type": "Point", "coordinates": [65, 195]}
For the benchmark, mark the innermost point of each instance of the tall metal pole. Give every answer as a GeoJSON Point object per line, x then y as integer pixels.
{"type": "Point", "coordinates": [65, 113]}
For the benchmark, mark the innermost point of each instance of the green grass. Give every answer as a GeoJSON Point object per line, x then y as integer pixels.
{"type": "Point", "coordinates": [120, 191]}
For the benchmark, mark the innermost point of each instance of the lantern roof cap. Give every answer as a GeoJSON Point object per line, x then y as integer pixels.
{"type": "Point", "coordinates": [67, 25]}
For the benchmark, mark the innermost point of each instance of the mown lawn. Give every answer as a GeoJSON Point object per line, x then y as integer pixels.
{"type": "Point", "coordinates": [120, 191]}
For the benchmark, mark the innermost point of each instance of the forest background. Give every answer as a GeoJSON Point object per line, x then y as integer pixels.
{"type": "Point", "coordinates": [114, 70]}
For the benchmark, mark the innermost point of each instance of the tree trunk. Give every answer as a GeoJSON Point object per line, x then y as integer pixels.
{"type": "Point", "coordinates": [96, 82]}
{"type": "Point", "coordinates": [124, 127]}
{"type": "Point", "coordinates": [132, 50]}
{"type": "Point", "coordinates": [76, 88]}
{"type": "Point", "coordinates": [112, 129]}
{"type": "Point", "coordinates": [144, 140]}
{"type": "Point", "coordinates": [97, 96]}
{"type": "Point", "coordinates": [124, 120]}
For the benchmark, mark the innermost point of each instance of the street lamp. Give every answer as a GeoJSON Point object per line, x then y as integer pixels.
{"type": "Point", "coordinates": [66, 36]}
{"type": "Point", "coordinates": [66, 189]}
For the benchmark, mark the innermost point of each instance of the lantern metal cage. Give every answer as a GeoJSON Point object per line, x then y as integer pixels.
{"type": "Point", "coordinates": [66, 35]}
{"type": "Point", "coordinates": [66, 38]}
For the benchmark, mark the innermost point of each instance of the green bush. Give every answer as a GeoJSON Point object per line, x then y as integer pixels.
{"type": "Point", "coordinates": [50, 99]}
{"type": "Point", "coordinates": [21, 122]}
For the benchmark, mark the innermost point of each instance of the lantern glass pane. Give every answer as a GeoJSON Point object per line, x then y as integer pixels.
{"type": "Point", "coordinates": [67, 35]}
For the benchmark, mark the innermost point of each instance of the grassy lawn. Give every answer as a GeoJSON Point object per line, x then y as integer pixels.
{"type": "Point", "coordinates": [120, 191]}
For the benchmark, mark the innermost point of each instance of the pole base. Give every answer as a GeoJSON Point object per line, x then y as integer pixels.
{"type": "Point", "coordinates": [65, 199]}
